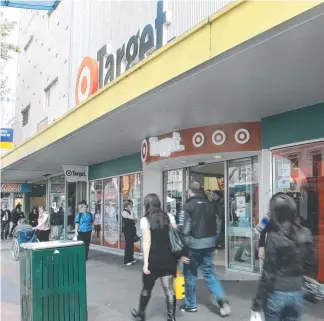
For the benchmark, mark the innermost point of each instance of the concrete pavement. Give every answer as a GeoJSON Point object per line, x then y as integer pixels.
{"type": "Point", "coordinates": [113, 290]}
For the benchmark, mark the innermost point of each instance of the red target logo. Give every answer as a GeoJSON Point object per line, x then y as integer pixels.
{"type": "Point", "coordinates": [218, 137]}
{"type": "Point", "coordinates": [242, 136]}
{"type": "Point", "coordinates": [198, 139]}
{"type": "Point", "coordinates": [87, 79]}
{"type": "Point", "coordinates": [144, 150]}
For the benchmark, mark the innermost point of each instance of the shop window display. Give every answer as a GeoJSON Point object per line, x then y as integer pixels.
{"type": "Point", "coordinates": [173, 191]}
{"type": "Point", "coordinates": [131, 189]}
{"type": "Point", "coordinates": [299, 172]}
{"type": "Point", "coordinates": [95, 206]}
{"type": "Point", "coordinates": [111, 212]}
{"type": "Point", "coordinates": [242, 214]}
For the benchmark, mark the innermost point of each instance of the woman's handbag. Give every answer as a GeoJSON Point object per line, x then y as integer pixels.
{"type": "Point", "coordinates": [313, 291]}
{"type": "Point", "coordinates": [175, 240]}
{"type": "Point", "coordinates": [136, 238]}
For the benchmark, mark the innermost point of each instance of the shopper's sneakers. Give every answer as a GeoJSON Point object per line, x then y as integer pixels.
{"type": "Point", "coordinates": [134, 261]}
{"type": "Point", "coordinates": [184, 308]}
{"type": "Point", "coordinates": [129, 263]}
{"type": "Point", "coordinates": [224, 308]}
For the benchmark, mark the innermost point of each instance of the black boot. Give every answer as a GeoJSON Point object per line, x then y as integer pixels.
{"type": "Point", "coordinates": [140, 314]}
{"type": "Point", "coordinates": [171, 307]}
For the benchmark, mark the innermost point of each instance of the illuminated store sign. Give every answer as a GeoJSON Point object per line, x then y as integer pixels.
{"type": "Point", "coordinates": [94, 74]}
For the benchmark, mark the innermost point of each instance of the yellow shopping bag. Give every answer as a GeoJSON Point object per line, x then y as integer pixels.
{"type": "Point", "coordinates": [179, 286]}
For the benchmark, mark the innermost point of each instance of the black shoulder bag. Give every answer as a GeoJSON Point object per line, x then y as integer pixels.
{"type": "Point", "coordinates": [176, 242]}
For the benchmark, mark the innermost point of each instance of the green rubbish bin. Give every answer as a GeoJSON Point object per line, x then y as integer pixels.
{"type": "Point", "coordinates": [53, 281]}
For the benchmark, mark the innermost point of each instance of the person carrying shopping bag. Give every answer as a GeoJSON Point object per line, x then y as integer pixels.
{"type": "Point", "coordinates": [159, 260]}
{"type": "Point", "coordinates": [200, 233]}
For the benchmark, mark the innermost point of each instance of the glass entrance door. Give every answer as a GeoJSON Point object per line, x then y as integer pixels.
{"type": "Point", "coordinates": [242, 213]}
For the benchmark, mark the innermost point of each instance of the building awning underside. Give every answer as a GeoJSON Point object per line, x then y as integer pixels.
{"type": "Point", "coordinates": [274, 72]}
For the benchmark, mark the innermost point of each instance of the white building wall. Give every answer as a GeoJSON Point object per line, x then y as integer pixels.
{"type": "Point", "coordinates": [46, 58]}
{"type": "Point", "coordinates": [90, 24]}
{"type": "Point", "coordinates": [152, 182]}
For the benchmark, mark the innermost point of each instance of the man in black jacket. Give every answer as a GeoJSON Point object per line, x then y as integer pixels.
{"type": "Point", "coordinates": [16, 215]}
{"type": "Point", "coordinates": [200, 233]}
{"type": "Point", "coordinates": [5, 221]}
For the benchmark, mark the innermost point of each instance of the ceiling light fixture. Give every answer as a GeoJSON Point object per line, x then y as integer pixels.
{"type": "Point", "coordinates": [183, 162]}
{"type": "Point", "coordinates": [218, 156]}
{"type": "Point", "coordinates": [167, 165]}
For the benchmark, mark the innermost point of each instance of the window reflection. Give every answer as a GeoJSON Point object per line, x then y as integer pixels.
{"type": "Point", "coordinates": [111, 212]}
{"type": "Point", "coordinates": [131, 189]}
{"type": "Point", "coordinates": [299, 173]}
{"type": "Point", "coordinates": [95, 209]}
{"type": "Point", "coordinates": [173, 190]}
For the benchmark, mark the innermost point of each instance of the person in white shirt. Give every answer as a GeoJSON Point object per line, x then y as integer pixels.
{"type": "Point", "coordinates": [43, 225]}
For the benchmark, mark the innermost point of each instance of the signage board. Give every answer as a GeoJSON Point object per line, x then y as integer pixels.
{"type": "Point", "coordinates": [15, 188]}
{"type": "Point", "coordinates": [6, 141]}
{"type": "Point", "coordinates": [94, 74]}
{"type": "Point", "coordinates": [74, 173]}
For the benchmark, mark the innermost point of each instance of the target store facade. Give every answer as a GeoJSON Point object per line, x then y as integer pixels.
{"type": "Point", "coordinates": [164, 93]}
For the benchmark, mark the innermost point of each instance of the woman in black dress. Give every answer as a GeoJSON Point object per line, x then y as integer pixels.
{"type": "Point", "coordinates": [159, 261]}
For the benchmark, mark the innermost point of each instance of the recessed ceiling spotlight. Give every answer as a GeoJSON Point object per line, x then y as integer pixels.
{"type": "Point", "coordinates": [218, 156]}
{"type": "Point", "coordinates": [167, 165]}
{"type": "Point", "coordinates": [183, 162]}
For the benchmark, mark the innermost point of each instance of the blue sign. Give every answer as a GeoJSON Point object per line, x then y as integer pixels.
{"type": "Point", "coordinates": [6, 140]}
{"type": "Point", "coordinates": [15, 188]}
{"type": "Point", "coordinates": [28, 4]}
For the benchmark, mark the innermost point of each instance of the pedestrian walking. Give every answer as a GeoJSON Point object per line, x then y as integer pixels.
{"type": "Point", "coordinates": [5, 221]}
{"type": "Point", "coordinates": [43, 227]}
{"type": "Point", "coordinates": [200, 233]}
{"type": "Point", "coordinates": [159, 261]}
{"type": "Point", "coordinates": [129, 229]}
{"type": "Point", "coordinates": [84, 226]}
{"type": "Point", "coordinates": [16, 215]}
{"type": "Point", "coordinates": [33, 217]}
{"type": "Point", "coordinates": [288, 255]}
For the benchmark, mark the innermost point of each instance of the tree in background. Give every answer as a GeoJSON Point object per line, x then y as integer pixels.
{"type": "Point", "coordinates": [7, 49]}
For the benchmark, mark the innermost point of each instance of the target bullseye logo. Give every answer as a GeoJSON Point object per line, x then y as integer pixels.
{"type": "Point", "coordinates": [218, 137]}
{"type": "Point", "coordinates": [242, 136]}
{"type": "Point", "coordinates": [198, 139]}
{"type": "Point", "coordinates": [144, 150]}
{"type": "Point", "coordinates": [87, 79]}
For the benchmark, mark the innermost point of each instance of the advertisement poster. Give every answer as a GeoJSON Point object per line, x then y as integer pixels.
{"type": "Point", "coordinates": [240, 202]}
{"type": "Point", "coordinates": [285, 171]}
{"type": "Point", "coordinates": [284, 183]}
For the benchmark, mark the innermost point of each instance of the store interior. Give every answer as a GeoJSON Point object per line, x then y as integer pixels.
{"type": "Point", "coordinates": [239, 188]}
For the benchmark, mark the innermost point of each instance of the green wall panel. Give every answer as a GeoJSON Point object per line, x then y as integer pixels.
{"type": "Point", "coordinates": [293, 126]}
{"type": "Point", "coordinates": [115, 167]}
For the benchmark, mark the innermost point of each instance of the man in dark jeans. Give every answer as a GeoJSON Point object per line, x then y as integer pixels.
{"type": "Point", "coordinates": [83, 226]}
{"type": "Point", "coordinates": [200, 233]}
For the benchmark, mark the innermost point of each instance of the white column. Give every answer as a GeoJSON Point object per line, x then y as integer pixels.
{"type": "Point", "coordinates": [152, 182]}
{"type": "Point", "coordinates": [265, 181]}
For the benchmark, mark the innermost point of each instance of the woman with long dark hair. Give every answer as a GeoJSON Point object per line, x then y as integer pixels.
{"type": "Point", "coordinates": [288, 255]}
{"type": "Point", "coordinates": [159, 261]}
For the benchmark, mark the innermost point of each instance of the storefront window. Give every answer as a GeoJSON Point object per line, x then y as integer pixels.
{"type": "Point", "coordinates": [111, 212]}
{"type": "Point", "coordinates": [131, 189]}
{"type": "Point", "coordinates": [299, 172]}
{"type": "Point", "coordinates": [95, 206]}
{"type": "Point", "coordinates": [173, 192]}
{"type": "Point", "coordinates": [242, 213]}
{"type": "Point", "coordinates": [57, 206]}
